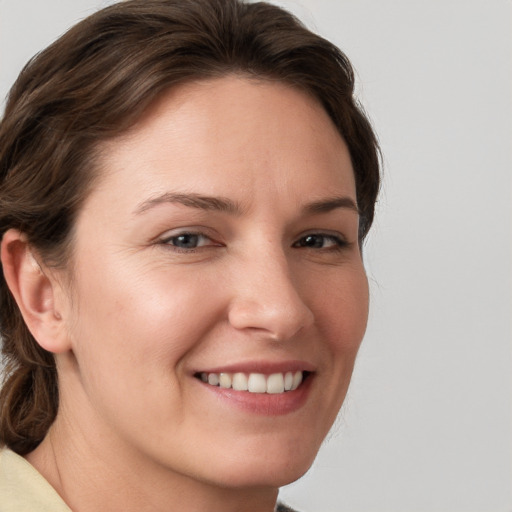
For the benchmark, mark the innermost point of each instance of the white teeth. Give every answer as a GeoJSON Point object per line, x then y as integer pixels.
{"type": "Point", "coordinates": [225, 380]}
{"type": "Point", "coordinates": [275, 383]}
{"type": "Point", "coordinates": [213, 379]}
{"type": "Point", "coordinates": [255, 382]}
{"type": "Point", "coordinates": [297, 379]}
{"type": "Point", "coordinates": [240, 382]}
{"type": "Point", "coordinates": [288, 381]}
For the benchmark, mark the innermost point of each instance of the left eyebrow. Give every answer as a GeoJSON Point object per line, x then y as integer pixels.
{"type": "Point", "coordinates": [331, 203]}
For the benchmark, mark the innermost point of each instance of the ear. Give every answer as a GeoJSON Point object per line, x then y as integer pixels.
{"type": "Point", "coordinates": [35, 291]}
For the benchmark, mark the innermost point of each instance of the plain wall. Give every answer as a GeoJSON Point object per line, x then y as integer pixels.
{"type": "Point", "coordinates": [428, 421]}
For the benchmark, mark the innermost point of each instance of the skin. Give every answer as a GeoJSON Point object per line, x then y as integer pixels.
{"type": "Point", "coordinates": [136, 430]}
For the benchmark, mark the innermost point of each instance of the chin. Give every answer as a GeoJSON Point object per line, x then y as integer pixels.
{"type": "Point", "coordinates": [267, 470]}
{"type": "Point", "coordinates": [266, 478]}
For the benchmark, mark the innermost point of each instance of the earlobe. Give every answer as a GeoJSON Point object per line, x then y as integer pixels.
{"type": "Point", "coordinates": [34, 290]}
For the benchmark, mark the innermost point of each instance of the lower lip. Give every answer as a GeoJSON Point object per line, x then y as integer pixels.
{"type": "Point", "coordinates": [265, 404]}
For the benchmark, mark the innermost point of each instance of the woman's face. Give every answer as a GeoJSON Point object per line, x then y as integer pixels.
{"type": "Point", "coordinates": [220, 243]}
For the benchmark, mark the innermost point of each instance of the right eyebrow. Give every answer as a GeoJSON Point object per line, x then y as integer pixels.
{"type": "Point", "coordinates": [220, 204]}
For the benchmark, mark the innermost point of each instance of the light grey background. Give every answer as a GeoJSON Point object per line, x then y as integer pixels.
{"type": "Point", "coordinates": [428, 421]}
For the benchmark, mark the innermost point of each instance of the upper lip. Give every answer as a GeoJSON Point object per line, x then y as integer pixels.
{"type": "Point", "coordinates": [265, 367]}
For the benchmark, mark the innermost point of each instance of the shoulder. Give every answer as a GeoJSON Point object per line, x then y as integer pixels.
{"type": "Point", "coordinates": [23, 488]}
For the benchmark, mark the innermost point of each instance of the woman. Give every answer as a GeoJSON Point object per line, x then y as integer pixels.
{"type": "Point", "coordinates": [186, 187]}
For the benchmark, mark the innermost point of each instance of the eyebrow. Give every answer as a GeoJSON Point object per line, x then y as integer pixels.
{"type": "Point", "coordinates": [331, 203]}
{"type": "Point", "coordinates": [220, 204]}
{"type": "Point", "coordinates": [223, 204]}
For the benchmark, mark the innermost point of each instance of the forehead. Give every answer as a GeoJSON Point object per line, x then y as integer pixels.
{"type": "Point", "coordinates": [229, 136]}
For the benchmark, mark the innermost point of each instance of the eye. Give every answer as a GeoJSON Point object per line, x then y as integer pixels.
{"type": "Point", "coordinates": [320, 241]}
{"type": "Point", "coordinates": [188, 240]}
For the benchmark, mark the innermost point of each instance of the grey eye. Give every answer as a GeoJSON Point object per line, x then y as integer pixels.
{"type": "Point", "coordinates": [313, 241]}
{"type": "Point", "coordinates": [187, 240]}
{"type": "Point", "coordinates": [319, 241]}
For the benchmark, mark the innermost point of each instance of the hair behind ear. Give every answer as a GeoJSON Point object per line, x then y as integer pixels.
{"type": "Point", "coordinates": [29, 396]}
{"type": "Point", "coordinates": [28, 399]}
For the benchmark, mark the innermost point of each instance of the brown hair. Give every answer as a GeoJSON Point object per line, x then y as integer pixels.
{"type": "Point", "coordinates": [94, 83]}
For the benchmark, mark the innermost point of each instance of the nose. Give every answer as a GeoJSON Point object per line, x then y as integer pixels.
{"type": "Point", "coordinates": [267, 299]}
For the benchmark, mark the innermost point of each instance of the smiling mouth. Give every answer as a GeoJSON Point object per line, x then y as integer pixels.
{"type": "Point", "coordinates": [274, 383]}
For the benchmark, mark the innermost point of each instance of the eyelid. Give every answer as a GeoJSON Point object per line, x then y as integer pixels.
{"type": "Point", "coordinates": [193, 230]}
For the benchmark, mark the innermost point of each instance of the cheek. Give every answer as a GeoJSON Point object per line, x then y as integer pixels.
{"type": "Point", "coordinates": [343, 315]}
{"type": "Point", "coordinates": [342, 312]}
{"type": "Point", "coordinates": [140, 317]}
{"type": "Point", "coordinates": [129, 337]}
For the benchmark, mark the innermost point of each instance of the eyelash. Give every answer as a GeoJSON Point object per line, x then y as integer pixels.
{"type": "Point", "coordinates": [337, 241]}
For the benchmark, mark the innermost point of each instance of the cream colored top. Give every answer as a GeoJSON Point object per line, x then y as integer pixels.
{"type": "Point", "coordinates": [23, 488]}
